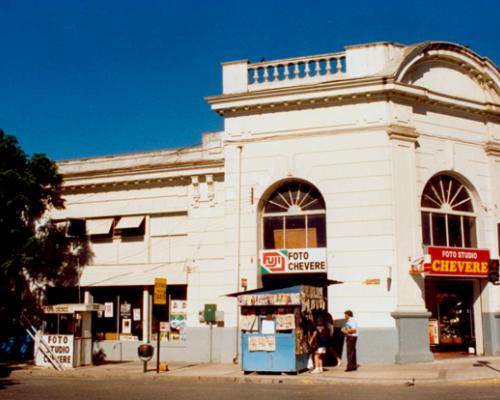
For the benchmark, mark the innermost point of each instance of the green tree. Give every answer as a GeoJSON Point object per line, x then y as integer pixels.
{"type": "Point", "coordinates": [35, 253]}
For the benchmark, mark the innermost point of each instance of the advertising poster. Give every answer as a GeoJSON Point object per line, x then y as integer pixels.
{"type": "Point", "coordinates": [125, 310]}
{"type": "Point", "coordinates": [285, 322]}
{"type": "Point", "coordinates": [126, 326]}
{"type": "Point", "coordinates": [178, 319]}
{"type": "Point", "coordinates": [108, 310]}
{"type": "Point", "coordinates": [137, 314]}
{"type": "Point", "coordinates": [261, 343]}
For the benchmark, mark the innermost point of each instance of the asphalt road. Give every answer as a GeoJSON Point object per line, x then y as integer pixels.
{"type": "Point", "coordinates": [80, 389]}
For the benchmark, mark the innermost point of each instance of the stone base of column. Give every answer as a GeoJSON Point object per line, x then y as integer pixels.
{"type": "Point", "coordinates": [413, 337]}
{"type": "Point", "coordinates": [491, 333]}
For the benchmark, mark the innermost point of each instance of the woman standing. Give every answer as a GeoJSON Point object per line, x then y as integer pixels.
{"type": "Point", "coordinates": [320, 336]}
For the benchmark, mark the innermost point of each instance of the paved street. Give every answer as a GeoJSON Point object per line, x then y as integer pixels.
{"type": "Point", "coordinates": [110, 389]}
{"type": "Point", "coordinates": [464, 378]}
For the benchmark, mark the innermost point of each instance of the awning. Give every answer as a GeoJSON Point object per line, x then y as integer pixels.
{"type": "Point", "coordinates": [133, 275]}
{"type": "Point", "coordinates": [99, 226]}
{"type": "Point", "coordinates": [282, 288]}
{"type": "Point", "coordinates": [129, 222]}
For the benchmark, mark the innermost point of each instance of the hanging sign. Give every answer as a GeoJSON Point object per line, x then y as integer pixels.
{"type": "Point", "coordinates": [451, 261]}
{"type": "Point", "coordinates": [160, 291]}
{"type": "Point", "coordinates": [292, 261]}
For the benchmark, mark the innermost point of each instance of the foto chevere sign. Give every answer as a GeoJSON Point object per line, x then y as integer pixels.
{"type": "Point", "coordinates": [291, 261]}
{"type": "Point", "coordinates": [457, 262]}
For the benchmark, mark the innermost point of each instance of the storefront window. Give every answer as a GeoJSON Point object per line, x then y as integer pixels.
{"type": "Point", "coordinates": [294, 217]}
{"type": "Point", "coordinates": [123, 315]}
{"type": "Point", "coordinates": [447, 213]}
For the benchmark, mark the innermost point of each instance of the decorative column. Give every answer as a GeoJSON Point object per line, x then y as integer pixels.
{"type": "Point", "coordinates": [411, 315]}
{"type": "Point", "coordinates": [491, 295]}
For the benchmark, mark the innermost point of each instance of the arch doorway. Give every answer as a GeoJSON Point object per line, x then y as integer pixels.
{"type": "Point", "coordinates": [449, 223]}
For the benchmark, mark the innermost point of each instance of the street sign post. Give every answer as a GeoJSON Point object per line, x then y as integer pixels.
{"type": "Point", "coordinates": [160, 298]}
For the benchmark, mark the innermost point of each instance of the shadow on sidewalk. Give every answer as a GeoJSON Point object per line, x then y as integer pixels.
{"type": "Point", "coordinates": [5, 371]}
{"type": "Point", "coordinates": [486, 364]}
{"type": "Point", "coordinates": [6, 368]}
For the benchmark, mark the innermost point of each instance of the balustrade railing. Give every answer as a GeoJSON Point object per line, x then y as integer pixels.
{"type": "Point", "coordinates": [293, 71]}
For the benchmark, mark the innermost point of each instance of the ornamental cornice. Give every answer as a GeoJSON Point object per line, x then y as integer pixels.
{"type": "Point", "coordinates": [338, 92]}
{"type": "Point", "coordinates": [402, 132]}
{"type": "Point", "coordinates": [119, 171]}
{"type": "Point", "coordinates": [144, 175]}
{"type": "Point", "coordinates": [492, 148]}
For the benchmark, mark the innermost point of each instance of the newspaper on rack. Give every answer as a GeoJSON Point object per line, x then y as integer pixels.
{"type": "Point", "coordinates": [261, 343]}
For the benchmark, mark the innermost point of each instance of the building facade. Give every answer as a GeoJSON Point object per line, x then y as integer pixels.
{"type": "Point", "coordinates": [377, 166]}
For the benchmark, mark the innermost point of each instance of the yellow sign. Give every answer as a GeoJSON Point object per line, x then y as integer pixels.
{"type": "Point", "coordinates": [160, 292]}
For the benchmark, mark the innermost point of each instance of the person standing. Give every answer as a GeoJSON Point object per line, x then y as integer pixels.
{"type": "Point", "coordinates": [320, 337]}
{"type": "Point", "coordinates": [331, 341]}
{"type": "Point", "coordinates": [351, 331]}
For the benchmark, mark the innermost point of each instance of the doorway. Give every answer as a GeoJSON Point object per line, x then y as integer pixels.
{"type": "Point", "coordinates": [451, 326]}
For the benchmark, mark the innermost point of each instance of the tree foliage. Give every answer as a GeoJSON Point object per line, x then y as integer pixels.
{"type": "Point", "coordinates": [35, 253]}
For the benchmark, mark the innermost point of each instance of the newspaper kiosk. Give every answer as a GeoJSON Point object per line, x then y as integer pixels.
{"type": "Point", "coordinates": [274, 325]}
{"type": "Point", "coordinates": [68, 334]}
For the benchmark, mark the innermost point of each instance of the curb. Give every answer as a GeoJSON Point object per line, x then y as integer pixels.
{"type": "Point", "coordinates": [244, 379]}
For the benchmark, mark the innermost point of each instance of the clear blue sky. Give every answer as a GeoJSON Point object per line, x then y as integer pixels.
{"type": "Point", "coordinates": [81, 78]}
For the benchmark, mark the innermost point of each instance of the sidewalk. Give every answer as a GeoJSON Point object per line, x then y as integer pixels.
{"type": "Point", "coordinates": [470, 370]}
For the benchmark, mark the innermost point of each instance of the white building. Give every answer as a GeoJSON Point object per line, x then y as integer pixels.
{"type": "Point", "coordinates": [375, 161]}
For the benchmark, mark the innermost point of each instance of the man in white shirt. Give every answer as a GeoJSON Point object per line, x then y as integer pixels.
{"type": "Point", "coordinates": [350, 330]}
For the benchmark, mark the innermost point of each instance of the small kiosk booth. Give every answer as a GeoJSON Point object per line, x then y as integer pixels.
{"type": "Point", "coordinates": [274, 325]}
{"type": "Point", "coordinates": [67, 333]}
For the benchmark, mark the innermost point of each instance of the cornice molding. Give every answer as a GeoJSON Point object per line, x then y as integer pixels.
{"type": "Point", "coordinates": [402, 132]}
{"type": "Point", "coordinates": [184, 180]}
{"type": "Point", "coordinates": [492, 148]}
{"type": "Point", "coordinates": [151, 174]}
{"type": "Point", "coordinates": [331, 93]}
{"type": "Point", "coordinates": [143, 169]}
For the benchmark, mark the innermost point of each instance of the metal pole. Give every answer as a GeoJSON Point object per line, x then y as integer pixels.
{"type": "Point", "coordinates": [211, 340]}
{"type": "Point", "coordinates": [158, 346]}
{"type": "Point", "coordinates": [118, 317]}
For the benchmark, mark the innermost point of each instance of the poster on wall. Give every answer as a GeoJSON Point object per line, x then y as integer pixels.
{"type": "Point", "coordinates": [108, 310]}
{"type": "Point", "coordinates": [433, 332]}
{"type": "Point", "coordinates": [126, 326]}
{"type": "Point", "coordinates": [178, 319]}
{"type": "Point", "coordinates": [137, 314]}
{"type": "Point", "coordinates": [126, 309]}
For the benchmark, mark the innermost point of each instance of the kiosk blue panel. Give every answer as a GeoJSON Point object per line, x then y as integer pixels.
{"type": "Point", "coordinates": [283, 359]}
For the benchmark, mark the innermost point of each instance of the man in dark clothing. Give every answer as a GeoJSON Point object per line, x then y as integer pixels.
{"type": "Point", "coordinates": [350, 330]}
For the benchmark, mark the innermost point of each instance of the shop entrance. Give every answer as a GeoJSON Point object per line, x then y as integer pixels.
{"type": "Point", "coordinates": [451, 326]}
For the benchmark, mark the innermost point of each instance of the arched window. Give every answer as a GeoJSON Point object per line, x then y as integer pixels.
{"type": "Point", "coordinates": [448, 217]}
{"type": "Point", "coordinates": [294, 217]}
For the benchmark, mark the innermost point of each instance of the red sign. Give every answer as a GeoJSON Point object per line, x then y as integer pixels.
{"type": "Point", "coordinates": [453, 261]}
{"type": "Point", "coordinates": [274, 261]}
